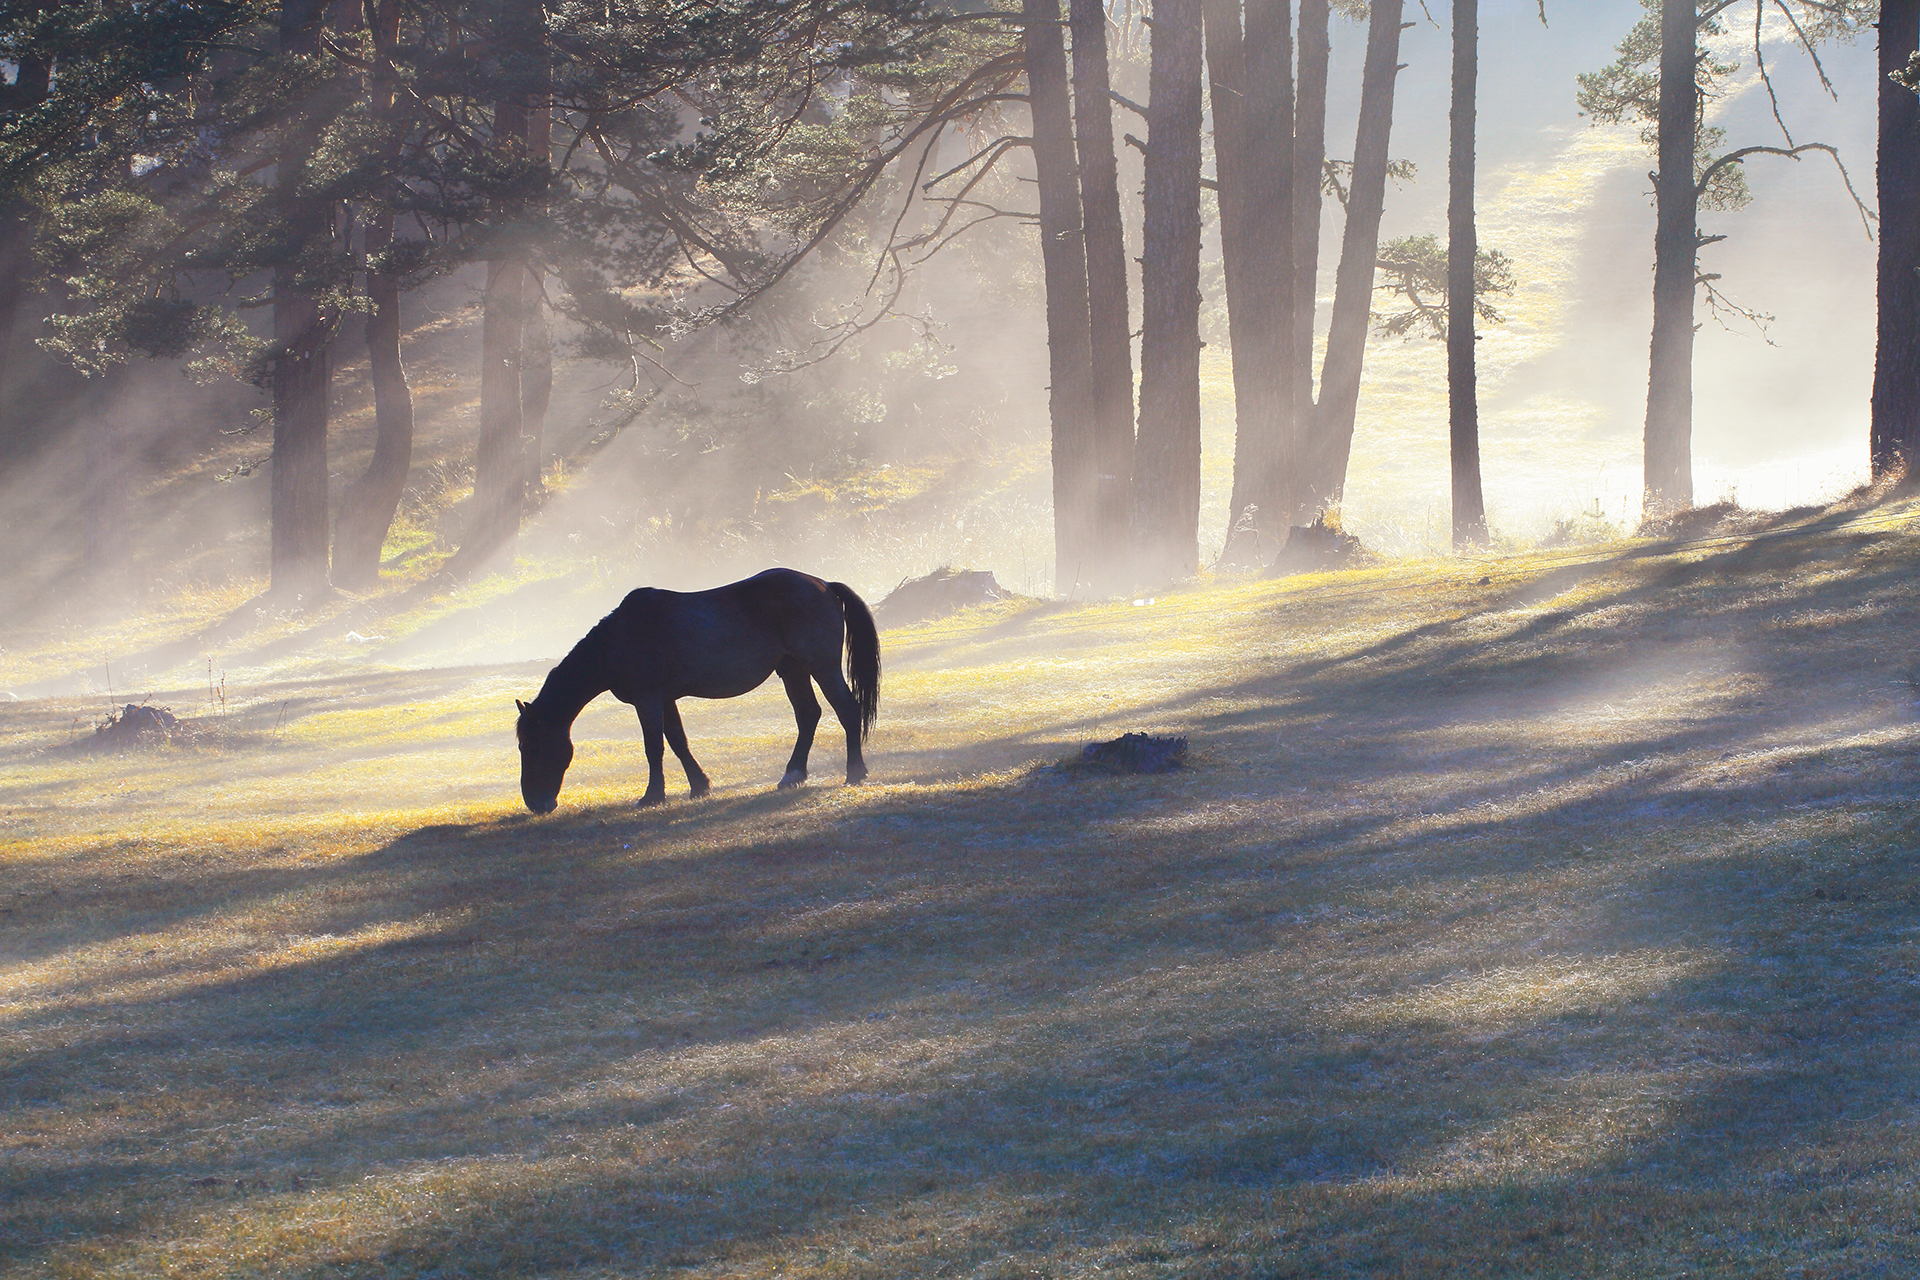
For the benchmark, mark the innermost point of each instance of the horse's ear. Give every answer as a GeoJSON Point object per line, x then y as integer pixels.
{"type": "Point", "coordinates": [521, 705]}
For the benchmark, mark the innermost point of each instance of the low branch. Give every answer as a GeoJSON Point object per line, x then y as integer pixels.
{"type": "Point", "coordinates": [990, 152]}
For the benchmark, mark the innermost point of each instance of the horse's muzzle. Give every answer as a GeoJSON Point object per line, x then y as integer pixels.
{"type": "Point", "coordinates": [543, 804]}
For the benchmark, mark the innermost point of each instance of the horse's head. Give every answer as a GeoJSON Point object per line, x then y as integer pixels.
{"type": "Point", "coordinates": [546, 749]}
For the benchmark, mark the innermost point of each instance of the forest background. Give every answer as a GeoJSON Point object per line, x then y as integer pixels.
{"type": "Point", "coordinates": [923, 440]}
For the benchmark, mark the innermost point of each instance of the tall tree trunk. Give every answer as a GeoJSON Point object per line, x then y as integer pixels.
{"type": "Point", "coordinates": [1463, 404]}
{"type": "Point", "coordinates": [1896, 370]}
{"type": "Point", "coordinates": [1255, 156]}
{"type": "Point", "coordinates": [1359, 252]}
{"type": "Point", "coordinates": [302, 335]}
{"type": "Point", "coordinates": [1669, 432]}
{"type": "Point", "coordinates": [1166, 479]}
{"type": "Point", "coordinates": [501, 456]}
{"type": "Point", "coordinates": [1109, 338]}
{"type": "Point", "coordinates": [1309, 161]}
{"type": "Point", "coordinates": [367, 511]}
{"type": "Point", "coordinates": [536, 341]}
{"type": "Point", "coordinates": [1063, 261]}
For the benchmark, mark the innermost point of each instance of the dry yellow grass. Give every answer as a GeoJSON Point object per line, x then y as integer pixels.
{"type": "Point", "coordinates": [1563, 924]}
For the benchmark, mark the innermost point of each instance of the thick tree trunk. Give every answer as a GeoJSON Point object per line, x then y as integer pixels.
{"type": "Point", "coordinates": [1669, 431]}
{"type": "Point", "coordinates": [1109, 339]}
{"type": "Point", "coordinates": [368, 510]}
{"type": "Point", "coordinates": [1063, 262]}
{"type": "Point", "coordinates": [1255, 156]}
{"type": "Point", "coordinates": [1895, 438]}
{"type": "Point", "coordinates": [1167, 458]}
{"type": "Point", "coordinates": [1463, 404]}
{"type": "Point", "coordinates": [1359, 251]}
{"type": "Point", "coordinates": [1309, 159]}
{"type": "Point", "coordinates": [302, 335]}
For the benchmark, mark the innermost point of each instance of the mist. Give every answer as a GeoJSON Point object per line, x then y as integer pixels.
{"type": "Point", "coordinates": [922, 441]}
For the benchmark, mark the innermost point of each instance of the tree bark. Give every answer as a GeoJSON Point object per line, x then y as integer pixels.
{"type": "Point", "coordinates": [1359, 250]}
{"type": "Point", "coordinates": [1063, 261]}
{"type": "Point", "coordinates": [1669, 428]}
{"type": "Point", "coordinates": [1167, 458]}
{"type": "Point", "coordinates": [1309, 160]}
{"type": "Point", "coordinates": [1110, 341]}
{"type": "Point", "coordinates": [302, 334]}
{"type": "Point", "coordinates": [1895, 440]}
{"type": "Point", "coordinates": [1463, 407]}
{"type": "Point", "coordinates": [1252, 93]}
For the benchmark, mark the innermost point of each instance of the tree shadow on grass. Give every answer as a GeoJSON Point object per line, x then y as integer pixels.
{"type": "Point", "coordinates": [1079, 1058]}
{"type": "Point", "coordinates": [1163, 1020]}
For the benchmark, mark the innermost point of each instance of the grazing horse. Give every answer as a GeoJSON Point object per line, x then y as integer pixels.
{"type": "Point", "coordinates": [662, 645]}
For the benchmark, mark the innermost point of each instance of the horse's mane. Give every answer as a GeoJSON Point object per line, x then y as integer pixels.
{"type": "Point", "coordinates": [577, 678]}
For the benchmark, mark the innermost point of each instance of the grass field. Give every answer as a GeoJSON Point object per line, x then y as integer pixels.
{"type": "Point", "coordinates": [1542, 915]}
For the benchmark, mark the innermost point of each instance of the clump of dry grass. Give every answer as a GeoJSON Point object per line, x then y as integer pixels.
{"type": "Point", "coordinates": [1560, 924]}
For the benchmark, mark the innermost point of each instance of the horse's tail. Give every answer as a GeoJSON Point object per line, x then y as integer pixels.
{"type": "Point", "coordinates": [863, 654]}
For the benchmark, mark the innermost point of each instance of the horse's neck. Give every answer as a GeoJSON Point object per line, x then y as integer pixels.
{"type": "Point", "coordinates": [578, 680]}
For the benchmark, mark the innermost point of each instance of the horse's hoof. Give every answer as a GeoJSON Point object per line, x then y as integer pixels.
{"type": "Point", "coordinates": [649, 801]}
{"type": "Point", "coordinates": [855, 779]}
{"type": "Point", "coordinates": [793, 779]}
{"type": "Point", "coordinates": [698, 789]}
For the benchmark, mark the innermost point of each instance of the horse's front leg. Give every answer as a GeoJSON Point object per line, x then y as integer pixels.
{"type": "Point", "coordinates": [652, 731]}
{"type": "Point", "coordinates": [697, 781]}
{"type": "Point", "coordinates": [806, 716]}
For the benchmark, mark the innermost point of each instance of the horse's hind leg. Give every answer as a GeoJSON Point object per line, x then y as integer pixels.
{"type": "Point", "coordinates": [841, 699]}
{"type": "Point", "coordinates": [652, 729]}
{"type": "Point", "coordinates": [806, 716]}
{"type": "Point", "coordinates": [677, 739]}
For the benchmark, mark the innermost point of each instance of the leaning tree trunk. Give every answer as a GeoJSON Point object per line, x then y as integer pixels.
{"type": "Point", "coordinates": [1896, 370]}
{"type": "Point", "coordinates": [1063, 263]}
{"type": "Point", "coordinates": [302, 336]}
{"type": "Point", "coordinates": [1259, 311]}
{"type": "Point", "coordinates": [1669, 431]}
{"type": "Point", "coordinates": [367, 512]}
{"type": "Point", "coordinates": [1332, 443]}
{"type": "Point", "coordinates": [1309, 161]}
{"type": "Point", "coordinates": [1463, 405]}
{"type": "Point", "coordinates": [1166, 480]}
{"type": "Point", "coordinates": [1109, 341]}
